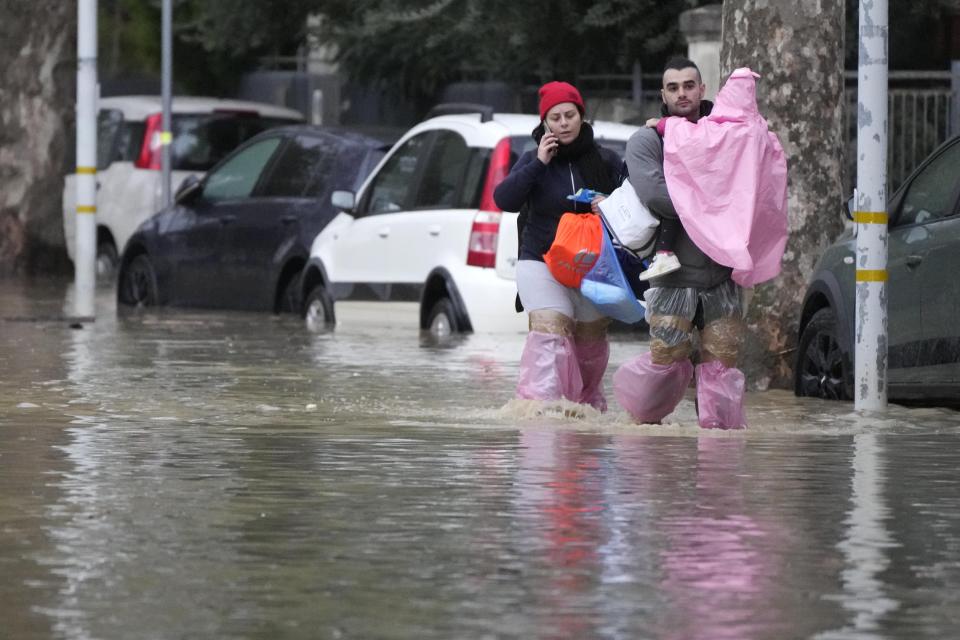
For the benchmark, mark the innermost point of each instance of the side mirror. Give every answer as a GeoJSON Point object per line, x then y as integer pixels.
{"type": "Point", "coordinates": [188, 190]}
{"type": "Point", "coordinates": [851, 205]}
{"type": "Point", "coordinates": [343, 200]}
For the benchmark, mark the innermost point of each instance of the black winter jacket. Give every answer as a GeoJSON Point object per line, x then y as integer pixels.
{"type": "Point", "coordinates": [544, 188]}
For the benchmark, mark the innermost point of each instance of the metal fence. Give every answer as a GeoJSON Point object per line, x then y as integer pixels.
{"type": "Point", "coordinates": [919, 118]}
{"type": "Point", "coordinates": [636, 96]}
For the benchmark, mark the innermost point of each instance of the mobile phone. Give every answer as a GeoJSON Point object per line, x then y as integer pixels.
{"type": "Point", "coordinates": [546, 130]}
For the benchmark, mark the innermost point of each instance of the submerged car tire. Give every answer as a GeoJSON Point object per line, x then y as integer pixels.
{"type": "Point", "coordinates": [442, 319]}
{"type": "Point", "coordinates": [106, 261]}
{"type": "Point", "coordinates": [289, 301]}
{"type": "Point", "coordinates": [822, 371]}
{"type": "Point", "coordinates": [138, 284]}
{"type": "Point", "coordinates": [318, 310]}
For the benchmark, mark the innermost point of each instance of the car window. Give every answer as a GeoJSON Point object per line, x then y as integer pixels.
{"type": "Point", "coordinates": [351, 179]}
{"type": "Point", "coordinates": [443, 173]}
{"type": "Point", "coordinates": [932, 194]}
{"type": "Point", "coordinates": [353, 163]}
{"type": "Point", "coordinates": [519, 145]}
{"type": "Point", "coordinates": [109, 122]}
{"type": "Point", "coordinates": [473, 180]}
{"type": "Point", "coordinates": [129, 141]}
{"type": "Point", "coordinates": [296, 169]}
{"type": "Point", "coordinates": [237, 177]}
{"type": "Point", "coordinates": [200, 140]}
{"type": "Point", "coordinates": [617, 146]}
{"type": "Point", "coordinates": [390, 190]}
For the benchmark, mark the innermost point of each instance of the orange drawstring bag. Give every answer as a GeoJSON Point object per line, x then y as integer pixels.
{"type": "Point", "coordinates": [575, 249]}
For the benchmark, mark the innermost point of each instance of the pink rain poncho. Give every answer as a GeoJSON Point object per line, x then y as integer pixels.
{"type": "Point", "coordinates": [727, 178]}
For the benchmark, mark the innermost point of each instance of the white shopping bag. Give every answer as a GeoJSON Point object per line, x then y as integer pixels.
{"type": "Point", "coordinates": [631, 223]}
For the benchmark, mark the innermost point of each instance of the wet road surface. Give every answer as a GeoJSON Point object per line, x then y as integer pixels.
{"type": "Point", "coordinates": [223, 475]}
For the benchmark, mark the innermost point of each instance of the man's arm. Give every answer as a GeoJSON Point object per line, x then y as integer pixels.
{"type": "Point", "coordinates": [644, 158]}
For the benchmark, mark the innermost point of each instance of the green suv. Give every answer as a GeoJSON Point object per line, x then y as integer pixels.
{"type": "Point", "coordinates": [923, 295]}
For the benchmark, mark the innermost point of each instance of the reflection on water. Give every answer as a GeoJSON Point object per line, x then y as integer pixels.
{"type": "Point", "coordinates": [716, 560]}
{"type": "Point", "coordinates": [866, 542]}
{"type": "Point", "coordinates": [210, 475]}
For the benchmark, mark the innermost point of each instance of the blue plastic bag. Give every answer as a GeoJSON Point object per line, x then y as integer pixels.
{"type": "Point", "coordinates": [607, 288]}
{"type": "Point", "coordinates": [585, 195]}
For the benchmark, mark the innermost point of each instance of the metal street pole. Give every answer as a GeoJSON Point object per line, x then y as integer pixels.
{"type": "Point", "coordinates": [85, 257]}
{"type": "Point", "coordinates": [870, 353]}
{"type": "Point", "coordinates": [166, 46]}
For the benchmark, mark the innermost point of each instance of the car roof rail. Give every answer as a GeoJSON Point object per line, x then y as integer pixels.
{"type": "Point", "coordinates": [453, 108]}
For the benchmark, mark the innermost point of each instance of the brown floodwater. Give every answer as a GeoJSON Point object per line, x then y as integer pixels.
{"type": "Point", "coordinates": [193, 474]}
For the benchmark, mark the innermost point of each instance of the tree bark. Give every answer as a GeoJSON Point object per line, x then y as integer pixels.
{"type": "Point", "coordinates": [797, 48]}
{"type": "Point", "coordinates": [37, 89]}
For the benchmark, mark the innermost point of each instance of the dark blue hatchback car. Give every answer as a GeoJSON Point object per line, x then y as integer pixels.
{"type": "Point", "coordinates": [239, 237]}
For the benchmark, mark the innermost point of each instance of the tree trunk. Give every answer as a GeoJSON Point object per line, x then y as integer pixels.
{"type": "Point", "coordinates": [37, 89]}
{"type": "Point", "coordinates": [797, 48]}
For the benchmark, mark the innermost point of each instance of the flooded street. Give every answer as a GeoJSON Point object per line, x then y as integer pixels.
{"type": "Point", "coordinates": [225, 475]}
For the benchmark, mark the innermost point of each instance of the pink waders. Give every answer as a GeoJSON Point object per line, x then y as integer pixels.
{"type": "Point", "coordinates": [555, 366]}
{"type": "Point", "coordinates": [650, 392]}
{"type": "Point", "coordinates": [549, 369]}
{"type": "Point", "coordinates": [592, 356]}
{"type": "Point", "coordinates": [720, 392]}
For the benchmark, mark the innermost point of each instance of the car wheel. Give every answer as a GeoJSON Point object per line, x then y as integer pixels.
{"type": "Point", "coordinates": [822, 369]}
{"type": "Point", "coordinates": [138, 283]}
{"type": "Point", "coordinates": [318, 310]}
{"type": "Point", "coordinates": [290, 297]}
{"type": "Point", "coordinates": [106, 260]}
{"type": "Point", "coordinates": [442, 319]}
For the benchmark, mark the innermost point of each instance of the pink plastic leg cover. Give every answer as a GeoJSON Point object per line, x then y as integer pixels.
{"type": "Point", "coordinates": [549, 369]}
{"type": "Point", "coordinates": [720, 396]}
{"type": "Point", "coordinates": [593, 356]}
{"type": "Point", "coordinates": [649, 391]}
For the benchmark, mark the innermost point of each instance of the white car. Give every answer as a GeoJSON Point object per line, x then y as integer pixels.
{"type": "Point", "coordinates": [129, 186]}
{"type": "Point", "coordinates": [424, 234]}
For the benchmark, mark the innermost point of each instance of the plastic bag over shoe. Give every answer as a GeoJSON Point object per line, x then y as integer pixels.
{"type": "Point", "coordinates": [650, 392]}
{"type": "Point", "coordinates": [592, 356]}
{"type": "Point", "coordinates": [720, 391]}
{"type": "Point", "coordinates": [549, 369]}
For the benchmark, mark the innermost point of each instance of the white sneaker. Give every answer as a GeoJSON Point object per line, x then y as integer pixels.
{"type": "Point", "coordinates": [663, 263]}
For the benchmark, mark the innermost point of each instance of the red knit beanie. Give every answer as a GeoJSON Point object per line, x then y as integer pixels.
{"type": "Point", "coordinates": [553, 93]}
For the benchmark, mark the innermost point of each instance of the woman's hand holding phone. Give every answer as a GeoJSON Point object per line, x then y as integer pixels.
{"type": "Point", "coordinates": [548, 145]}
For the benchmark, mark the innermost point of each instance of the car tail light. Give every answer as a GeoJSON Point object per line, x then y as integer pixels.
{"type": "Point", "coordinates": [151, 149]}
{"type": "Point", "coordinates": [496, 172]}
{"type": "Point", "coordinates": [482, 250]}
